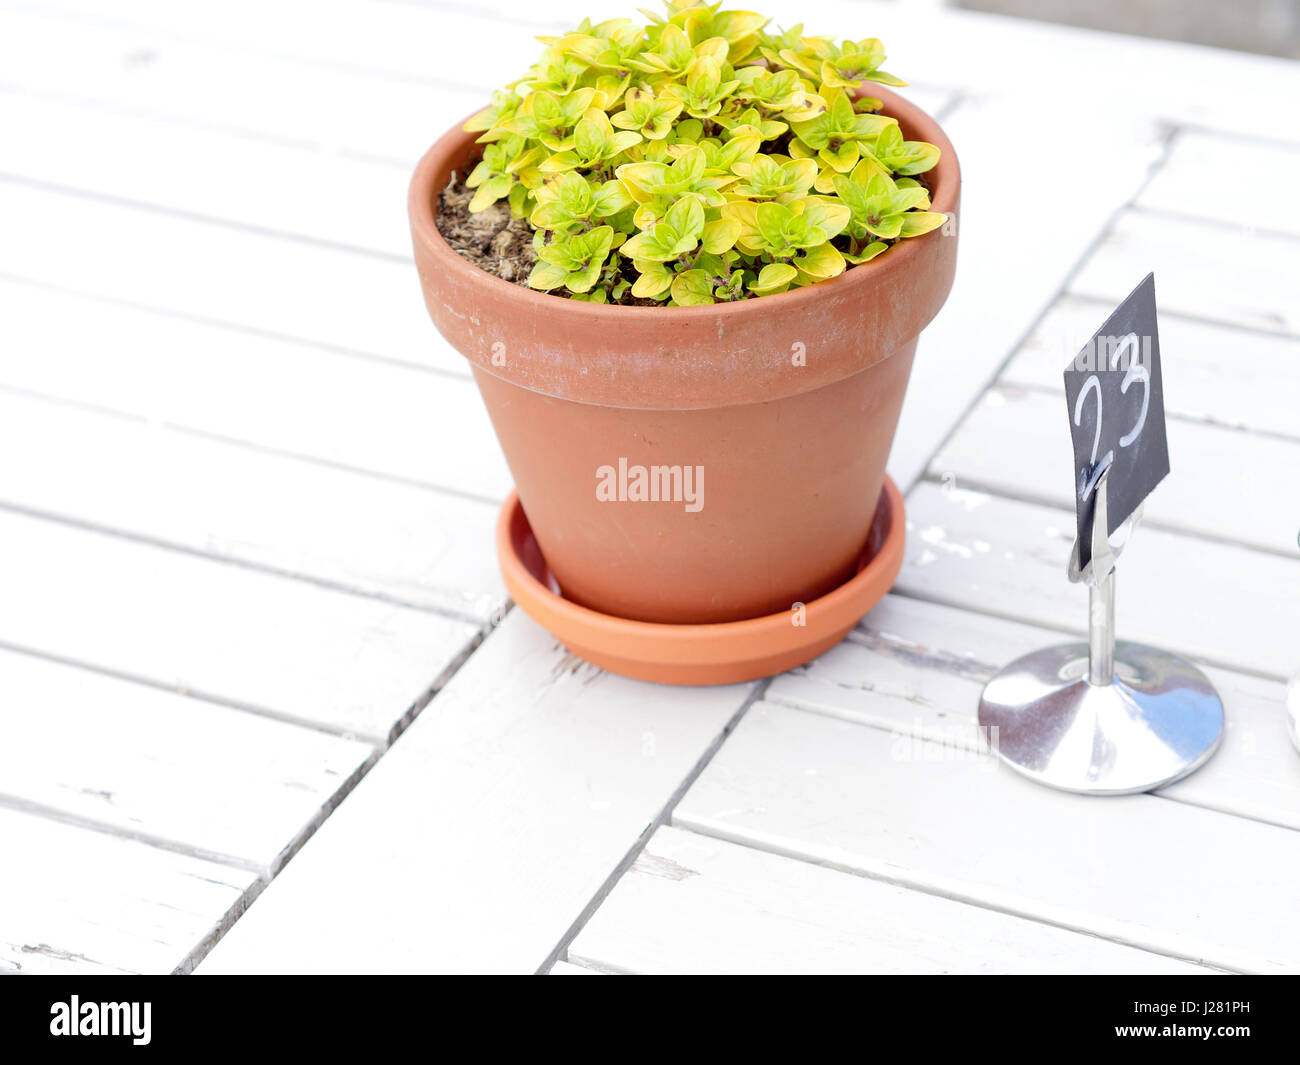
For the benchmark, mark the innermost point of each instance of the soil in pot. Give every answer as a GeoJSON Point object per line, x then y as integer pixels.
{"type": "Point", "coordinates": [491, 239]}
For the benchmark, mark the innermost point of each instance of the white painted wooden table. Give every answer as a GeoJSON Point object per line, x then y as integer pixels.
{"type": "Point", "coordinates": [247, 493]}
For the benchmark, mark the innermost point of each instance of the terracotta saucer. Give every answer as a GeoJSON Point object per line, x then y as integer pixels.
{"type": "Point", "coordinates": [723, 653]}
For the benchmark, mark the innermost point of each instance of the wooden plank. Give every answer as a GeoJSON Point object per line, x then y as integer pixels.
{"type": "Point", "coordinates": [322, 523]}
{"type": "Point", "coordinates": [94, 904]}
{"type": "Point", "coordinates": [1213, 373]}
{"type": "Point", "coordinates": [1251, 96]}
{"type": "Point", "coordinates": [276, 187]}
{"type": "Point", "coordinates": [365, 414]}
{"type": "Point", "coordinates": [692, 905]}
{"type": "Point", "coordinates": [1179, 185]}
{"type": "Point", "coordinates": [143, 72]}
{"type": "Point", "coordinates": [284, 647]}
{"type": "Point", "coordinates": [564, 968]}
{"type": "Point", "coordinates": [917, 669]}
{"type": "Point", "coordinates": [395, 39]}
{"type": "Point", "coordinates": [1007, 275]}
{"type": "Point", "coordinates": [150, 764]}
{"type": "Point", "coordinates": [1172, 879]}
{"type": "Point", "coordinates": [505, 807]}
{"type": "Point", "coordinates": [333, 297]}
{"type": "Point", "coordinates": [1223, 273]}
{"type": "Point", "coordinates": [1008, 558]}
{"type": "Point", "coordinates": [1232, 485]}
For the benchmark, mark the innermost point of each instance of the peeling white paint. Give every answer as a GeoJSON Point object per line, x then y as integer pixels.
{"type": "Point", "coordinates": [935, 536]}
{"type": "Point", "coordinates": [968, 498]}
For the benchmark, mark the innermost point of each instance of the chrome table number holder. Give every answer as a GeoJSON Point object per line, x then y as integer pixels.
{"type": "Point", "coordinates": [1102, 718]}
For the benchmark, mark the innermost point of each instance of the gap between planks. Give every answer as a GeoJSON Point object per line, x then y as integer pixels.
{"type": "Point", "coordinates": [1175, 215]}
{"type": "Point", "coordinates": [917, 730]}
{"type": "Point", "coordinates": [224, 221]}
{"type": "Point", "coordinates": [560, 952]}
{"type": "Point", "coordinates": [380, 743]}
{"type": "Point", "coordinates": [240, 563]}
{"type": "Point", "coordinates": [998, 491]}
{"type": "Point", "coordinates": [1161, 158]}
{"type": "Point", "coordinates": [739, 838]}
{"type": "Point", "coordinates": [264, 875]}
{"type": "Point", "coordinates": [1170, 415]}
{"type": "Point", "coordinates": [230, 325]}
{"type": "Point", "coordinates": [924, 883]}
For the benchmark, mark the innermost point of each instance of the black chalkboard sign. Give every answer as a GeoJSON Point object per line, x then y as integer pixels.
{"type": "Point", "coordinates": [1117, 414]}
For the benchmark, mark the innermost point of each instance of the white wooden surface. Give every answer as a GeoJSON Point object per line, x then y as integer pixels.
{"type": "Point", "coordinates": [564, 968]}
{"type": "Point", "coordinates": [504, 807]}
{"type": "Point", "coordinates": [194, 776]}
{"type": "Point", "coordinates": [383, 418]}
{"type": "Point", "coordinates": [1006, 279]}
{"type": "Point", "coordinates": [323, 523]}
{"type": "Point", "coordinates": [327, 111]}
{"type": "Point", "coordinates": [916, 669]}
{"type": "Point", "coordinates": [1139, 870]}
{"type": "Point", "coordinates": [246, 507]}
{"type": "Point", "coordinates": [270, 187]}
{"type": "Point", "coordinates": [1191, 260]}
{"type": "Point", "coordinates": [1213, 373]}
{"type": "Point", "coordinates": [278, 646]}
{"type": "Point", "coordinates": [691, 904]}
{"type": "Point", "coordinates": [1180, 185]}
{"type": "Point", "coordinates": [92, 903]}
{"type": "Point", "coordinates": [1235, 486]}
{"type": "Point", "coordinates": [137, 255]}
{"type": "Point", "coordinates": [1008, 558]}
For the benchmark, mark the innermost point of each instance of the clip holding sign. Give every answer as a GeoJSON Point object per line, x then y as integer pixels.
{"type": "Point", "coordinates": [1105, 718]}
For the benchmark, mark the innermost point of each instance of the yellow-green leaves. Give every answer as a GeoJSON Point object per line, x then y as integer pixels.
{"type": "Point", "coordinates": [686, 174]}
{"type": "Point", "coordinates": [904, 157]}
{"type": "Point", "coordinates": [595, 142]}
{"type": "Point", "coordinates": [773, 278]}
{"type": "Point", "coordinates": [676, 235]}
{"type": "Point", "coordinates": [877, 205]}
{"type": "Point", "coordinates": [777, 231]}
{"type": "Point", "coordinates": [494, 176]}
{"type": "Point", "coordinates": [571, 203]}
{"type": "Point", "coordinates": [693, 288]}
{"type": "Point", "coordinates": [819, 263]}
{"type": "Point", "coordinates": [704, 89]}
{"type": "Point", "coordinates": [572, 261]}
{"type": "Point", "coordinates": [846, 65]}
{"type": "Point", "coordinates": [855, 63]}
{"type": "Point", "coordinates": [772, 176]}
{"type": "Point", "coordinates": [839, 135]}
{"type": "Point", "coordinates": [648, 116]}
{"type": "Point", "coordinates": [700, 158]}
{"type": "Point", "coordinates": [720, 235]}
{"type": "Point", "coordinates": [549, 118]}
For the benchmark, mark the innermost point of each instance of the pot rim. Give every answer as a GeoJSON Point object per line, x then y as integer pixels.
{"type": "Point", "coordinates": [422, 198]}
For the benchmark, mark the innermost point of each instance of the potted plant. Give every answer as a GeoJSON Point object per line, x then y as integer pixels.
{"type": "Point", "coordinates": [688, 263]}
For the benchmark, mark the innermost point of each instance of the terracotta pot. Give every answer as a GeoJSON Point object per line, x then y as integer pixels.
{"type": "Point", "coordinates": [788, 404]}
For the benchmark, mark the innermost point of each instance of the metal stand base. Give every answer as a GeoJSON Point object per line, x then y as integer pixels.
{"type": "Point", "coordinates": [1159, 720]}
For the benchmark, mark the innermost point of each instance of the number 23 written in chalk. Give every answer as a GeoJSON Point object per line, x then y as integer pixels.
{"type": "Point", "coordinates": [1115, 396]}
